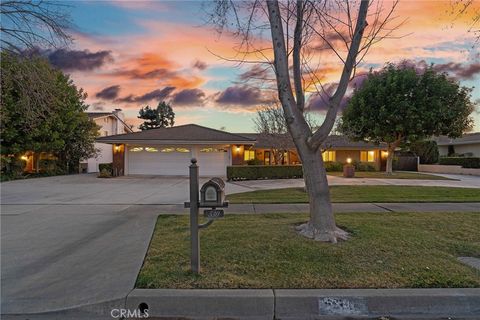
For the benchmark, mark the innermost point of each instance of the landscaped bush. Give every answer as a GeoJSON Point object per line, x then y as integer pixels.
{"type": "Point", "coordinates": [427, 151]}
{"type": "Point", "coordinates": [108, 167]}
{"type": "Point", "coordinates": [255, 172]}
{"type": "Point", "coordinates": [254, 162]}
{"type": "Point", "coordinates": [11, 168]}
{"type": "Point", "coordinates": [362, 166]}
{"type": "Point", "coordinates": [331, 166]}
{"type": "Point", "coordinates": [104, 173]}
{"type": "Point", "coordinates": [465, 162]}
{"type": "Point", "coordinates": [47, 166]}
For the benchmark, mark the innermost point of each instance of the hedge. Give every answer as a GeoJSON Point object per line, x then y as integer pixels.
{"type": "Point", "coordinates": [465, 162]}
{"type": "Point", "coordinates": [264, 172]}
{"type": "Point", "coordinates": [105, 167]}
{"type": "Point", "coordinates": [331, 166]}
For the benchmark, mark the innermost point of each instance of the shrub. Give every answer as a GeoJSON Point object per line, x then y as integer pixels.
{"type": "Point", "coordinates": [331, 166]}
{"type": "Point", "coordinates": [427, 151]}
{"type": "Point", "coordinates": [47, 166]}
{"type": "Point", "coordinates": [104, 173]}
{"type": "Point", "coordinates": [254, 162]}
{"type": "Point", "coordinates": [362, 166]}
{"type": "Point", "coordinates": [106, 167]}
{"type": "Point", "coordinates": [255, 172]}
{"type": "Point", "coordinates": [465, 162]}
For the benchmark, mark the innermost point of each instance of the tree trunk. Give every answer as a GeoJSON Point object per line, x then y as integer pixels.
{"type": "Point", "coordinates": [391, 151]}
{"type": "Point", "coordinates": [321, 225]}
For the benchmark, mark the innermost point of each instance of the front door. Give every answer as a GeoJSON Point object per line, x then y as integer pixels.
{"type": "Point", "coordinates": [266, 158]}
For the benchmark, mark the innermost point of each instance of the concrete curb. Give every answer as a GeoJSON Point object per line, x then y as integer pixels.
{"type": "Point", "coordinates": [368, 303]}
{"type": "Point", "coordinates": [293, 304]}
{"type": "Point", "coordinates": [251, 304]}
{"type": "Point", "coordinates": [282, 304]}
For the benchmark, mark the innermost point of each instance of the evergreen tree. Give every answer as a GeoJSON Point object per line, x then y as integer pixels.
{"type": "Point", "coordinates": [161, 117]}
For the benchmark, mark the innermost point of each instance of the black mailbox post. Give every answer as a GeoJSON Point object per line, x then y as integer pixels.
{"type": "Point", "coordinates": [212, 195]}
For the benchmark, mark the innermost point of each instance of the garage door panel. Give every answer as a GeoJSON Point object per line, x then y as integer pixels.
{"type": "Point", "coordinates": [212, 163]}
{"type": "Point", "coordinates": [176, 163]}
{"type": "Point", "coordinates": [158, 163]}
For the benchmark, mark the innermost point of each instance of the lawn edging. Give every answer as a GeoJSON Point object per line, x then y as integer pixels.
{"type": "Point", "coordinates": [308, 303]}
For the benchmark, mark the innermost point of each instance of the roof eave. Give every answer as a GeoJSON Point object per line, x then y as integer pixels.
{"type": "Point", "coordinates": [165, 142]}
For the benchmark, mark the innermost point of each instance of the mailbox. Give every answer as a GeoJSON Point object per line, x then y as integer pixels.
{"type": "Point", "coordinates": [212, 193]}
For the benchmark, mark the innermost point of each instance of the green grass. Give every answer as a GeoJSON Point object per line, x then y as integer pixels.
{"type": "Point", "coordinates": [363, 194]}
{"type": "Point", "coordinates": [395, 250]}
{"type": "Point", "coordinates": [395, 175]}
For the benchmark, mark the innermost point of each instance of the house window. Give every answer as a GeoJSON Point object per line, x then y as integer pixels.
{"type": "Point", "coordinates": [211, 150]}
{"type": "Point", "coordinates": [328, 156]}
{"type": "Point", "coordinates": [367, 156]}
{"type": "Point", "coordinates": [249, 155]}
{"type": "Point", "coordinates": [136, 149]}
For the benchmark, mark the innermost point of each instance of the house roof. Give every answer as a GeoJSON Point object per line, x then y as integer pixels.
{"type": "Point", "coordinates": [332, 142]}
{"type": "Point", "coordinates": [469, 138]}
{"type": "Point", "coordinates": [189, 133]}
{"type": "Point", "coordinates": [96, 115]}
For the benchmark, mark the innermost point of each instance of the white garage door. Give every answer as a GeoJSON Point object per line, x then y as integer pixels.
{"type": "Point", "coordinates": [212, 163]}
{"type": "Point", "coordinates": [156, 160]}
{"type": "Point", "coordinates": [174, 161]}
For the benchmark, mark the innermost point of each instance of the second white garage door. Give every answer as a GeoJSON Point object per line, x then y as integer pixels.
{"type": "Point", "coordinates": [174, 161]}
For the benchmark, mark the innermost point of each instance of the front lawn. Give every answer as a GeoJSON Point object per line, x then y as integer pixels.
{"type": "Point", "coordinates": [363, 194]}
{"type": "Point", "coordinates": [394, 175]}
{"type": "Point", "coordinates": [395, 250]}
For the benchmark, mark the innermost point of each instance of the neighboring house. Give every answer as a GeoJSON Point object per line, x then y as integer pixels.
{"type": "Point", "coordinates": [468, 145]}
{"type": "Point", "coordinates": [167, 151]}
{"type": "Point", "coordinates": [110, 123]}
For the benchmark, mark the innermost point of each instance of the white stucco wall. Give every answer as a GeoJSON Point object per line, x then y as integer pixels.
{"type": "Point", "coordinates": [109, 125]}
{"type": "Point", "coordinates": [436, 168]}
{"type": "Point", "coordinates": [105, 155]}
{"type": "Point", "coordinates": [461, 149]}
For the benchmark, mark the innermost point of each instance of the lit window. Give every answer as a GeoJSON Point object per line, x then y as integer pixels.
{"type": "Point", "coordinates": [367, 156]}
{"type": "Point", "coordinates": [151, 149]}
{"type": "Point", "coordinates": [136, 149]}
{"type": "Point", "coordinates": [212, 150]}
{"type": "Point", "coordinates": [249, 155]}
{"type": "Point", "coordinates": [167, 150]}
{"type": "Point", "coordinates": [328, 156]}
{"type": "Point", "coordinates": [183, 150]}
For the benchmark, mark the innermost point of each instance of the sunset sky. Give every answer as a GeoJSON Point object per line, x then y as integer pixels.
{"type": "Point", "coordinates": [129, 54]}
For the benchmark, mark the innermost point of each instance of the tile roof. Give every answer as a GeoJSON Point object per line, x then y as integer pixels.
{"type": "Point", "coordinates": [333, 141]}
{"type": "Point", "coordinates": [184, 133]}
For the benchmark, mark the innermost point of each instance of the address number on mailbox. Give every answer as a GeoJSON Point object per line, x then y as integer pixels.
{"type": "Point", "coordinates": [213, 213]}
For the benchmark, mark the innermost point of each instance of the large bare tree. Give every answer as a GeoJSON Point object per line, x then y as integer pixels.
{"type": "Point", "coordinates": [301, 35]}
{"type": "Point", "coordinates": [29, 24]}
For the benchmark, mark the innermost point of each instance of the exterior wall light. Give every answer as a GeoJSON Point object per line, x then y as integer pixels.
{"type": "Point", "coordinates": [117, 148]}
{"type": "Point", "coordinates": [24, 158]}
{"type": "Point", "coordinates": [349, 160]}
{"type": "Point", "coordinates": [238, 149]}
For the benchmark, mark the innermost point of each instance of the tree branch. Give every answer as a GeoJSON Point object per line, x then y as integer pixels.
{"type": "Point", "coordinates": [321, 134]}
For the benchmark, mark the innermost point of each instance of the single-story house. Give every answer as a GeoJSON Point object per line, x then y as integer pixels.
{"type": "Point", "coordinates": [167, 151]}
{"type": "Point", "coordinates": [468, 145]}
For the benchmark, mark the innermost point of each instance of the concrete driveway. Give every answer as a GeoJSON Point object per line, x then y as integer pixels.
{"type": "Point", "coordinates": [74, 241]}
